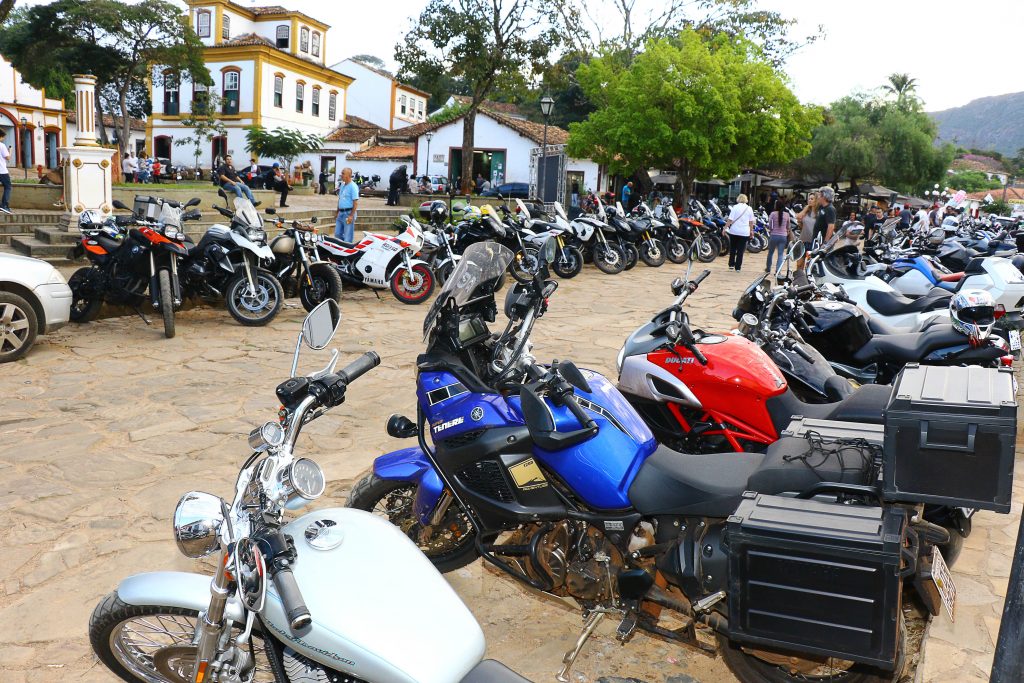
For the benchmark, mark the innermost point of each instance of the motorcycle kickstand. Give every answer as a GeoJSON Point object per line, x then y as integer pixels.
{"type": "Point", "coordinates": [569, 658]}
{"type": "Point", "coordinates": [141, 315]}
{"type": "Point", "coordinates": [375, 293]}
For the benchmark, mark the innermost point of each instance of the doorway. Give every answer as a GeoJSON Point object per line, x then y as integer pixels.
{"type": "Point", "coordinates": [162, 147]}
{"type": "Point", "coordinates": [50, 143]}
{"type": "Point", "coordinates": [220, 149]}
{"type": "Point", "coordinates": [489, 163]}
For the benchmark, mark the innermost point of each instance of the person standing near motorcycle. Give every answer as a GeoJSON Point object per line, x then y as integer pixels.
{"type": "Point", "coordinates": [779, 231]}
{"type": "Point", "coordinates": [396, 182]}
{"type": "Point", "coordinates": [825, 221]}
{"type": "Point", "coordinates": [228, 179]}
{"type": "Point", "coordinates": [348, 205]}
{"type": "Point", "coordinates": [739, 226]}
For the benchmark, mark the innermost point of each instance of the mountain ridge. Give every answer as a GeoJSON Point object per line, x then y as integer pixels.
{"type": "Point", "coordinates": [995, 122]}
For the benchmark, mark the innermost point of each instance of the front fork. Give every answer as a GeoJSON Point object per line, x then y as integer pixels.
{"type": "Point", "coordinates": [211, 625]}
{"type": "Point", "coordinates": [154, 282]}
{"type": "Point", "coordinates": [248, 274]}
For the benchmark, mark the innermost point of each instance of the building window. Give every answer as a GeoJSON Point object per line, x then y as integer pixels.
{"type": "Point", "coordinates": [304, 39]}
{"type": "Point", "coordinates": [200, 98]}
{"type": "Point", "coordinates": [316, 43]}
{"type": "Point", "coordinates": [278, 90]}
{"type": "Point", "coordinates": [203, 23]}
{"type": "Point", "coordinates": [172, 94]}
{"type": "Point", "coordinates": [225, 26]}
{"type": "Point", "coordinates": [420, 108]}
{"type": "Point", "coordinates": [300, 96]}
{"type": "Point", "coordinates": [402, 101]}
{"type": "Point", "coordinates": [316, 101]}
{"type": "Point", "coordinates": [332, 107]}
{"type": "Point", "coordinates": [282, 37]}
{"type": "Point", "coordinates": [231, 79]}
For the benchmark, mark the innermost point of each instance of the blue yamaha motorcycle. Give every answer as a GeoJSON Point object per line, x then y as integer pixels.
{"type": "Point", "coordinates": [547, 473]}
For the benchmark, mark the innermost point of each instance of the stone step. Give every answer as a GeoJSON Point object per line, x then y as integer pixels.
{"type": "Point", "coordinates": [36, 248]}
{"type": "Point", "coordinates": [29, 217]}
{"type": "Point", "coordinates": [6, 237]}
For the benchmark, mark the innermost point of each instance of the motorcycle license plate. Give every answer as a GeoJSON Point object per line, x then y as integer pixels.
{"type": "Point", "coordinates": [1015, 340]}
{"type": "Point", "coordinates": [943, 581]}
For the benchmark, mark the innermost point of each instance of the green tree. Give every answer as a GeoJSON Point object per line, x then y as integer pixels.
{"type": "Point", "coordinates": [909, 160]}
{"type": "Point", "coordinates": [900, 85]}
{"type": "Point", "coordinates": [845, 146]}
{"type": "Point", "coordinates": [372, 60]}
{"type": "Point", "coordinates": [491, 45]}
{"type": "Point", "coordinates": [701, 107]}
{"type": "Point", "coordinates": [205, 125]}
{"type": "Point", "coordinates": [283, 144]}
{"type": "Point", "coordinates": [5, 9]}
{"type": "Point", "coordinates": [116, 41]}
{"type": "Point", "coordinates": [971, 181]}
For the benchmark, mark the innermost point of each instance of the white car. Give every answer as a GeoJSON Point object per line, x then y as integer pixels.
{"type": "Point", "coordinates": [34, 299]}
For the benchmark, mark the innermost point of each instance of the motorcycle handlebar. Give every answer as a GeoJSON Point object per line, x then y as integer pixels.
{"type": "Point", "coordinates": [359, 367]}
{"type": "Point", "coordinates": [799, 350]}
{"type": "Point", "coordinates": [700, 278]}
{"type": "Point", "coordinates": [291, 598]}
{"type": "Point", "coordinates": [577, 410]}
{"type": "Point", "coordinates": [701, 358]}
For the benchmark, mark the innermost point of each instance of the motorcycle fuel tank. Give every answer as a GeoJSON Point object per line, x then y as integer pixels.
{"type": "Point", "coordinates": [380, 610]}
{"type": "Point", "coordinates": [836, 329]}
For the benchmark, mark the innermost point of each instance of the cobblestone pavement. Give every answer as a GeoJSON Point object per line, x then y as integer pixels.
{"type": "Point", "coordinates": [107, 424]}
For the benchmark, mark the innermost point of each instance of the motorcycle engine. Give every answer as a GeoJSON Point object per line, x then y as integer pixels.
{"type": "Point", "coordinates": [301, 669]}
{"type": "Point", "coordinates": [576, 559]}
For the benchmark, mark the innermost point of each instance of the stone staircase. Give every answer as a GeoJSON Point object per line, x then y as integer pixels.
{"type": "Point", "coordinates": [40, 235]}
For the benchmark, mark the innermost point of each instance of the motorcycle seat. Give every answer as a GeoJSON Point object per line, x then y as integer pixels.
{"type": "Point", "coordinates": [879, 326]}
{"type": "Point", "coordinates": [712, 484]}
{"type": "Point", "coordinates": [890, 303]}
{"type": "Point", "coordinates": [951, 277]}
{"type": "Point", "coordinates": [492, 671]}
{"type": "Point", "coordinates": [340, 243]}
{"type": "Point", "coordinates": [910, 347]}
{"type": "Point", "coordinates": [866, 405]}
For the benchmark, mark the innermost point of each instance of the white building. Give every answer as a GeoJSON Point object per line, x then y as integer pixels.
{"type": "Point", "coordinates": [377, 96]}
{"type": "Point", "coordinates": [268, 67]}
{"type": "Point", "coordinates": [36, 125]}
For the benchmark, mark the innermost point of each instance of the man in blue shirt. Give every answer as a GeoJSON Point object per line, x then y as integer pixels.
{"type": "Point", "coordinates": [627, 191]}
{"type": "Point", "coordinates": [348, 203]}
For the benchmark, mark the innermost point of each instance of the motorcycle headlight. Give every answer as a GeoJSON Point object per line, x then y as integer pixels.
{"type": "Point", "coordinates": [257, 235]}
{"type": "Point", "coordinates": [270, 435]}
{"type": "Point", "coordinates": [197, 522]}
{"type": "Point", "coordinates": [619, 358]}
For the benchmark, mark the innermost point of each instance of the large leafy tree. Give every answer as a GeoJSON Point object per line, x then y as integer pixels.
{"type": "Point", "coordinates": [5, 9]}
{"type": "Point", "coordinates": [846, 145]}
{"type": "Point", "coordinates": [490, 45]}
{"type": "Point", "coordinates": [283, 144]}
{"type": "Point", "coordinates": [699, 106]}
{"type": "Point", "coordinates": [116, 41]}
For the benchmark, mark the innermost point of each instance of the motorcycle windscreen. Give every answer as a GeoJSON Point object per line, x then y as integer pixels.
{"type": "Point", "coordinates": [380, 609]}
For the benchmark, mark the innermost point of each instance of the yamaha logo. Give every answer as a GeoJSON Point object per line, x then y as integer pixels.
{"type": "Point", "coordinates": [477, 414]}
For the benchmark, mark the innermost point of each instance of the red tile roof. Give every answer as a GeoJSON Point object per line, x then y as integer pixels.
{"type": "Point", "coordinates": [528, 129]}
{"type": "Point", "coordinates": [353, 129]}
{"type": "Point", "coordinates": [500, 107]}
{"type": "Point", "coordinates": [385, 153]}
{"type": "Point", "coordinates": [246, 39]}
{"type": "Point", "coordinates": [1014, 195]}
{"type": "Point", "coordinates": [108, 121]}
{"type": "Point", "coordinates": [267, 9]}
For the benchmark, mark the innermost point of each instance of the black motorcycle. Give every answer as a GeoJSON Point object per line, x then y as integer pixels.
{"type": "Point", "coordinates": [299, 266]}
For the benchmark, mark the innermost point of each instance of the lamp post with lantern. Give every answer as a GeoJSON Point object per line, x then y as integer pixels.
{"type": "Point", "coordinates": [547, 104]}
{"type": "Point", "coordinates": [429, 134]}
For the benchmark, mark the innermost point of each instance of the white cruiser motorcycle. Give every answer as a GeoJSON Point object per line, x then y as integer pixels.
{"type": "Point", "coordinates": [292, 600]}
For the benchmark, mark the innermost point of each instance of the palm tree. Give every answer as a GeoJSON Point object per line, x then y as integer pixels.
{"type": "Point", "coordinates": [900, 85]}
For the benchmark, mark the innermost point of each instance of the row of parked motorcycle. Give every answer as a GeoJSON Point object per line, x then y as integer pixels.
{"type": "Point", "coordinates": [730, 493]}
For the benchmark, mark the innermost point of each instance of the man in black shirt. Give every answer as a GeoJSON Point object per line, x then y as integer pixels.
{"type": "Point", "coordinates": [906, 216]}
{"type": "Point", "coordinates": [825, 221]}
{"type": "Point", "coordinates": [228, 179]}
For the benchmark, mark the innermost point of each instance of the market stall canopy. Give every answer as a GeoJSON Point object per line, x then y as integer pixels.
{"type": "Point", "coordinates": [875, 191]}
{"type": "Point", "coordinates": [663, 179]}
{"type": "Point", "coordinates": [781, 183]}
{"type": "Point", "coordinates": [712, 181]}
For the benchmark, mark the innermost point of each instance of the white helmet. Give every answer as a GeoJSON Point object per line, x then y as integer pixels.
{"type": "Point", "coordinates": [973, 313]}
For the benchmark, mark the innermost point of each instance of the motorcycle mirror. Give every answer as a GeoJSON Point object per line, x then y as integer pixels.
{"type": "Point", "coordinates": [118, 204]}
{"type": "Point", "coordinates": [314, 219]}
{"type": "Point", "coordinates": [270, 211]}
{"type": "Point", "coordinates": [547, 250]}
{"type": "Point", "coordinates": [401, 427]}
{"type": "Point", "coordinates": [321, 324]}
{"type": "Point", "coordinates": [677, 286]}
{"type": "Point", "coordinates": [573, 376]}
{"type": "Point", "coordinates": [797, 251]}
{"type": "Point", "coordinates": [195, 201]}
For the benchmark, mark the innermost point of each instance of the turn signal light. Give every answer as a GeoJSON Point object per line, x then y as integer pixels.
{"type": "Point", "coordinates": [1007, 361]}
{"type": "Point", "coordinates": [999, 312]}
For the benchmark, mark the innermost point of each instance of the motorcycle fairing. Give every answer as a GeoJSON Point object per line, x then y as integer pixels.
{"type": "Point", "coordinates": [261, 250]}
{"type": "Point", "coordinates": [412, 465]}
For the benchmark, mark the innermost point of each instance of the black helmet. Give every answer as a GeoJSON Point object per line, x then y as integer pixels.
{"type": "Point", "coordinates": [438, 211]}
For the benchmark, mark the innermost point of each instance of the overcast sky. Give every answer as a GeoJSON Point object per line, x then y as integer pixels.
{"type": "Point", "coordinates": [958, 51]}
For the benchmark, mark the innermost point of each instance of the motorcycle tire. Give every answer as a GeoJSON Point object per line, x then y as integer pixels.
{"type": "Point", "coordinates": [254, 310]}
{"type": "Point", "coordinates": [413, 289]}
{"type": "Point", "coordinates": [756, 244]}
{"type": "Point", "coordinates": [112, 616]}
{"type": "Point", "coordinates": [705, 249]}
{"type": "Point", "coordinates": [748, 668]}
{"type": "Point", "coordinates": [393, 500]}
{"type": "Point", "coordinates": [326, 285]}
{"type": "Point", "coordinates": [609, 259]}
{"type": "Point", "coordinates": [569, 263]}
{"type": "Point", "coordinates": [652, 253]}
{"type": "Point", "coordinates": [524, 266]}
{"type": "Point", "coordinates": [632, 256]}
{"type": "Point", "coordinates": [676, 250]}
{"type": "Point", "coordinates": [166, 302]}
{"type": "Point", "coordinates": [443, 272]}
{"type": "Point", "coordinates": [723, 244]}
{"type": "Point", "coordinates": [85, 303]}
{"type": "Point", "coordinates": [24, 325]}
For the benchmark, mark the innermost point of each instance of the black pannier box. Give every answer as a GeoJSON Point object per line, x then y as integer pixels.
{"type": "Point", "coordinates": [816, 577]}
{"type": "Point", "coordinates": [950, 435]}
{"type": "Point", "coordinates": [146, 207]}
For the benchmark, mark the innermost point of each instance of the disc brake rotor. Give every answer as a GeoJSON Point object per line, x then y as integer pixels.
{"type": "Point", "coordinates": [176, 662]}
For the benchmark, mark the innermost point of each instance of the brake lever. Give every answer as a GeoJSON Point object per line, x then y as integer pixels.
{"type": "Point", "coordinates": [320, 374]}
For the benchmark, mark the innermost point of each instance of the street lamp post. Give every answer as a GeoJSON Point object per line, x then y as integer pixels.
{"type": "Point", "coordinates": [546, 105]}
{"type": "Point", "coordinates": [429, 134]}
{"type": "Point", "coordinates": [25, 154]}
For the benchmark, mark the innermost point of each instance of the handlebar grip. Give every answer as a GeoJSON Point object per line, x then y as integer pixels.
{"type": "Point", "coordinates": [578, 412]}
{"type": "Point", "coordinates": [701, 358]}
{"type": "Point", "coordinates": [799, 350]}
{"type": "Point", "coordinates": [359, 367]}
{"type": "Point", "coordinates": [703, 276]}
{"type": "Point", "coordinates": [294, 606]}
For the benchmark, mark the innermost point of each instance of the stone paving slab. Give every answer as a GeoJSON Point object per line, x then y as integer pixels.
{"type": "Point", "coordinates": [107, 424]}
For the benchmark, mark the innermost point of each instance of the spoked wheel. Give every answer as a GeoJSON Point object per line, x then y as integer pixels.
{"type": "Point", "coordinates": [413, 287]}
{"type": "Point", "coordinates": [325, 284]}
{"type": "Point", "coordinates": [85, 300]}
{"type": "Point", "coordinates": [166, 302]}
{"type": "Point", "coordinates": [676, 250]}
{"type": "Point", "coordinates": [154, 643]}
{"type": "Point", "coordinates": [723, 244]}
{"type": "Point", "coordinates": [704, 249]}
{"type": "Point", "coordinates": [525, 265]}
{"type": "Point", "coordinates": [609, 258]}
{"type": "Point", "coordinates": [450, 545]}
{"type": "Point", "coordinates": [632, 256]}
{"type": "Point", "coordinates": [254, 308]}
{"type": "Point", "coordinates": [18, 326]}
{"type": "Point", "coordinates": [569, 262]}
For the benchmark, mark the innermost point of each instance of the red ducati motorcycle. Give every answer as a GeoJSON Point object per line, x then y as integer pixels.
{"type": "Point", "coordinates": [705, 392]}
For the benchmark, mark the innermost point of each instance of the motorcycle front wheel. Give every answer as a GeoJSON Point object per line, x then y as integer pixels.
{"type": "Point", "coordinates": [723, 244]}
{"type": "Point", "coordinates": [609, 259]}
{"type": "Point", "coordinates": [652, 253]}
{"type": "Point", "coordinates": [676, 250]}
{"type": "Point", "coordinates": [413, 287]}
{"type": "Point", "coordinates": [153, 643]}
{"type": "Point", "coordinates": [525, 264]}
{"type": "Point", "coordinates": [85, 300]}
{"type": "Point", "coordinates": [705, 249]}
{"type": "Point", "coordinates": [166, 302]}
{"type": "Point", "coordinates": [326, 284]}
{"type": "Point", "coordinates": [632, 256]}
{"type": "Point", "coordinates": [569, 262]}
{"type": "Point", "coordinates": [254, 308]}
{"type": "Point", "coordinates": [452, 543]}
{"type": "Point", "coordinates": [756, 244]}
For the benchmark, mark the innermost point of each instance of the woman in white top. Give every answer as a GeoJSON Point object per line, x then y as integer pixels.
{"type": "Point", "coordinates": [5, 176]}
{"type": "Point", "coordinates": [739, 226]}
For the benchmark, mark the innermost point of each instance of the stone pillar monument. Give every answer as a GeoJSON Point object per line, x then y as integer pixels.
{"type": "Point", "coordinates": [87, 174]}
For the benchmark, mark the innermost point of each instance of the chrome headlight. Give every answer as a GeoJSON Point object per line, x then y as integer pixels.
{"type": "Point", "coordinates": [270, 435]}
{"type": "Point", "coordinates": [257, 235]}
{"type": "Point", "coordinates": [197, 522]}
